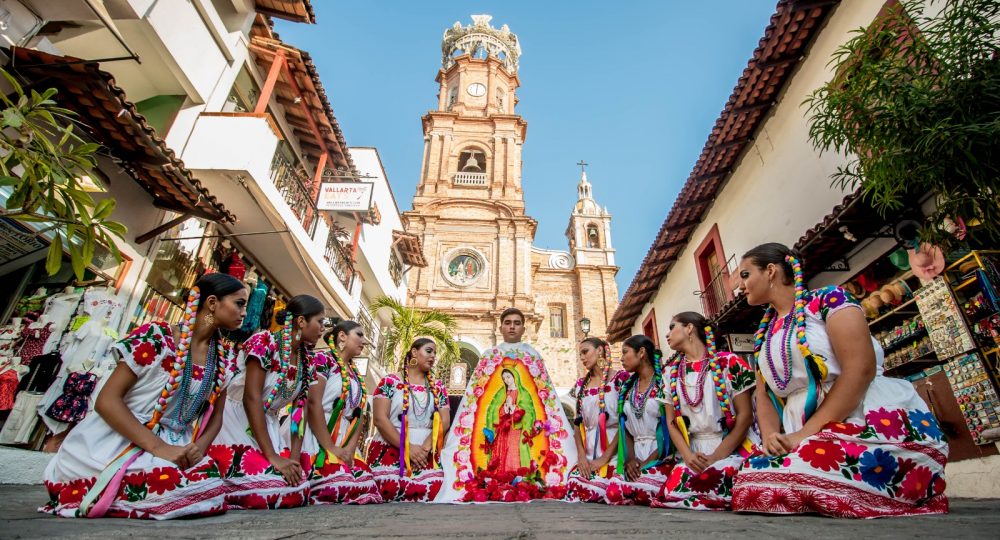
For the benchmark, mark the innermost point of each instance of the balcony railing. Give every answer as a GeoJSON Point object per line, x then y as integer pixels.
{"type": "Point", "coordinates": [340, 260]}
{"type": "Point", "coordinates": [717, 293]}
{"type": "Point", "coordinates": [290, 183]}
{"type": "Point", "coordinates": [376, 353]}
{"type": "Point", "coordinates": [474, 179]}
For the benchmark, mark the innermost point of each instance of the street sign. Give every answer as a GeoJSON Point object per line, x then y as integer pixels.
{"type": "Point", "coordinates": [345, 196]}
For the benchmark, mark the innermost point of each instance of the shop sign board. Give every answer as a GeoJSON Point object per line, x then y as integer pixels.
{"type": "Point", "coordinates": [345, 196]}
{"type": "Point", "coordinates": [741, 343]}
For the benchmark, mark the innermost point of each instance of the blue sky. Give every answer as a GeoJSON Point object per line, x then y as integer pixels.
{"type": "Point", "coordinates": [631, 87]}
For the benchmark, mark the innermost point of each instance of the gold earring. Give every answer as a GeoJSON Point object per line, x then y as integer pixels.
{"type": "Point", "coordinates": [210, 319]}
{"type": "Point", "coordinates": [298, 335]}
{"type": "Point", "coordinates": [412, 362]}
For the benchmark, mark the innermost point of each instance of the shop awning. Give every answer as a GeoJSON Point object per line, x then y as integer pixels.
{"type": "Point", "coordinates": [409, 248]}
{"type": "Point", "coordinates": [290, 10]}
{"type": "Point", "coordinates": [111, 119]}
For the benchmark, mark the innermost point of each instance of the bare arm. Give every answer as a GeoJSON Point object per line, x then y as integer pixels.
{"type": "Point", "coordinates": [767, 419]}
{"type": "Point", "coordinates": [253, 403]}
{"type": "Point", "coordinates": [849, 336]}
{"type": "Point", "coordinates": [111, 406]}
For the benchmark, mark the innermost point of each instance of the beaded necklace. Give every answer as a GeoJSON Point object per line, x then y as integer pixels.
{"type": "Point", "coordinates": [638, 400]}
{"type": "Point", "coordinates": [405, 469]}
{"type": "Point", "coordinates": [816, 368]}
{"type": "Point", "coordinates": [284, 366]}
{"type": "Point", "coordinates": [662, 435]}
{"type": "Point", "coordinates": [184, 415]}
{"type": "Point", "coordinates": [185, 328]}
{"type": "Point", "coordinates": [678, 371]}
{"type": "Point", "coordinates": [601, 391]}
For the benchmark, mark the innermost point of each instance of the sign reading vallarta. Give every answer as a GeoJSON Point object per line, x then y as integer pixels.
{"type": "Point", "coordinates": [345, 196]}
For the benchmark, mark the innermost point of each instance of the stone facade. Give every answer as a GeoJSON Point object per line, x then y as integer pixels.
{"type": "Point", "coordinates": [469, 212]}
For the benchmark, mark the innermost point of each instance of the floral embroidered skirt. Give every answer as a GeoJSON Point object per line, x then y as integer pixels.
{"type": "Point", "coordinates": [888, 463]}
{"type": "Point", "coordinates": [712, 489]}
{"type": "Point", "coordinates": [421, 486]}
{"type": "Point", "coordinates": [334, 483]}
{"type": "Point", "coordinates": [252, 483]}
{"type": "Point", "coordinates": [592, 490]}
{"type": "Point", "coordinates": [642, 491]}
{"type": "Point", "coordinates": [152, 488]}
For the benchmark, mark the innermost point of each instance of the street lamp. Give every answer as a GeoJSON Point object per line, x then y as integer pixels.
{"type": "Point", "coordinates": [585, 326]}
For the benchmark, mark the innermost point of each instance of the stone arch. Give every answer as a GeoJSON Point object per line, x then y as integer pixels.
{"type": "Point", "coordinates": [592, 235]}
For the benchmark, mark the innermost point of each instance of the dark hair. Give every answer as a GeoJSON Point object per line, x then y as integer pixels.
{"type": "Point", "coordinates": [640, 341]}
{"type": "Point", "coordinates": [218, 285]}
{"type": "Point", "coordinates": [301, 305]}
{"type": "Point", "coordinates": [417, 343]}
{"type": "Point", "coordinates": [697, 319]}
{"type": "Point", "coordinates": [596, 342]}
{"type": "Point", "coordinates": [339, 325]}
{"type": "Point", "coordinates": [774, 253]}
{"type": "Point", "coordinates": [511, 311]}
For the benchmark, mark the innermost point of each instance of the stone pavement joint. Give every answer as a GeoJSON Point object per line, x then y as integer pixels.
{"type": "Point", "coordinates": [969, 518]}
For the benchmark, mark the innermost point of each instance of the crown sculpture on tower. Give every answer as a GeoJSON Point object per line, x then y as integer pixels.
{"type": "Point", "coordinates": [480, 38]}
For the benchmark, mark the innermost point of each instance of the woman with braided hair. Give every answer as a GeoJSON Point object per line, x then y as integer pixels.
{"type": "Point", "coordinates": [643, 441]}
{"type": "Point", "coordinates": [709, 417]}
{"type": "Point", "coordinates": [596, 421]}
{"type": "Point", "coordinates": [411, 407]}
{"type": "Point", "coordinates": [145, 454]}
{"type": "Point", "coordinates": [265, 469]}
{"type": "Point", "coordinates": [841, 439]}
{"type": "Point", "coordinates": [337, 403]}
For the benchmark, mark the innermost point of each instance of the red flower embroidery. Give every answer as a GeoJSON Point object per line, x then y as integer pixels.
{"type": "Point", "coordinates": [163, 479]}
{"type": "Point", "coordinates": [144, 354]}
{"type": "Point", "coordinates": [389, 489]}
{"type": "Point", "coordinates": [915, 484]}
{"type": "Point", "coordinates": [845, 428]}
{"type": "Point", "coordinates": [223, 457]}
{"type": "Point", "coordinates": [706, 482]}
{"type": "Point", "coordinates": [254, 462]}
{"type": "Point", "coordinates": [293, 500]}
{"type": "Point", "coordinates": [253, 501]}
{"type": "Point", "coordinates": [886, 423]}
{"type": "Point", "coordinates": [74, 491]}
{"type": "Point", "coordinates": [823, 455]}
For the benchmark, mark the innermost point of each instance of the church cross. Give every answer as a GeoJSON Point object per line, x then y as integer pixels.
{"type": "Point", "coordinates": [583, 166]}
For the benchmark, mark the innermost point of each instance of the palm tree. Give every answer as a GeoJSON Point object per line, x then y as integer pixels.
{"type": "Point", "coordinates": [409, 324]}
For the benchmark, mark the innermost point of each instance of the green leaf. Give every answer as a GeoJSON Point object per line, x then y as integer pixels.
{"type": "Point", "coordinates": [12, 118]}
{"type": "Point", "coordinates": [103, 209]}
{"type": "Point", "coordinates": [76, 259]}
{"type": "Point", "coordinates": [53, 260]}
{"type": "Point", "coordinates": [115, 228]}
{"type": "Point", "coordinates": [6, 181]}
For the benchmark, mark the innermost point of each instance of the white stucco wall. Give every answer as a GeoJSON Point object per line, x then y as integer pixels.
{"type": "Point", "coordinates": [781, 186]}
{"type": "Point", "coordinates": [375, 241]}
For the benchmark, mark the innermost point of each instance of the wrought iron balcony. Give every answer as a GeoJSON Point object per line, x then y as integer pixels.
{"type": "Point", "coordinates": [340, 260]}
{"type": "Point", "coordinates": [717, 293]}
{"type": "Point", "coordinates": [292, 185]}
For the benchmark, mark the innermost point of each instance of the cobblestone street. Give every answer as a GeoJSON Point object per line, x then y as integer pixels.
{"type": "Point", "coordinates": [969, 519]}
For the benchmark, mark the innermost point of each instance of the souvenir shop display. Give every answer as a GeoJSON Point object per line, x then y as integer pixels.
{"type": "Point", "coordinates": [921, 349]}
{"type": "Point", "coordinates": [944, 320]}
{"type": "Point", "coordinates": [977, 398]}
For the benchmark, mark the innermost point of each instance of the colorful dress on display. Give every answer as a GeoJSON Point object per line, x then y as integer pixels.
{"type": "Point", "coordinates": [332, 482]}
{"type": "Point", "coordinates": [510, 439]}
{"type": "Point", "coordinates": [251, 481]}
{"type": "Point", "coordinates": [594, 489]}
{"type": "Point", "coordinates": [416, 485]}
{"type": "Point", "coordinates": [150, 488]}
{"type": "Point", "coordinates": [887, 458]}
{"type": "Point", "coordinates": [706, 424]}
{"type": "Point", "coordinates": [645, 422]}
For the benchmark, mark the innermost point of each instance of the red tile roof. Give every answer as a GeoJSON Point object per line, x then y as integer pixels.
{"type": "Point", "coordinates": [112, 120]}
{"type": "Point", "coordinates": [791, 29]}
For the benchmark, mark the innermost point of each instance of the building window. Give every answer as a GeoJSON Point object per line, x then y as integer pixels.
{"type": "Point", "coordinates": [649, 327]}
{"type": "Point", "coordinates": [557, 322]}
{"type": "Point", "coordinates": [713, 273]}
{"type": "Point", "coordinates": [395, 269]}
{"type": "Point", "coordinates": [243, 95]}
{"type": "Point", "coordinates": [593, 238]}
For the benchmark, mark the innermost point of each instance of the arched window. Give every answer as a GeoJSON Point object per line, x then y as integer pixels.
{"type": "Point", "coordinates": [593, 237]}
{"type": "Point", "coordinates": [472, 161]}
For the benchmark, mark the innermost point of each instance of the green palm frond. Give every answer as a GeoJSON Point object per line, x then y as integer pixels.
{"type": "Point", "coordinates": [409, 324]}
